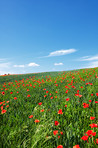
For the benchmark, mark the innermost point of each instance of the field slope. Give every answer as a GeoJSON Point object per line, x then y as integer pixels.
{"type": "Point", "coordinates": [49, 110]}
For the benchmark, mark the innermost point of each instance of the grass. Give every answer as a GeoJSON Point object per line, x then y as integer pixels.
{"type": "Point", "coordinates": [44, 95]}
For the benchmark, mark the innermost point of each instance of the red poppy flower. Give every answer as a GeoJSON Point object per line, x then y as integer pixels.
{"type": "Point", "coordinates": [96, 101]}
{"type": "Point", "coordinates": [84, 138]}
{"type": "Point", "coordinates": [80, 96]}
{"type": "Point", "coordinates": [66, 91]}
{"type": "Point", "coordinates": [40, 103]}
{"type": "Point", "coordinates": [65, 105]}
{"type": "Point", "coordinates": [92, 118]}
{"type": "Point", "coordinates": [3, 111]}
{"type": "Point", "coordinates": [58, 137]}
{"type": "Point", "coordinates": [47, 91]}
{"type": "Point", "coordinates": [56, 123]}
{"type": "Point", "coordinates": [90, 83]}
{"type": "Point", "coordinates": [60, 111]}
{"type": "Point", "coordinates": [51, 98]}
{"type": "Point", "coordinates": [42, 110]}
{"type": "Point", "coordinates": [93, 125]}
{"type": "Point", "coordinates": [76, 146]}
{"type": "Point", "coordinates": [1, 107]}
{"type": "Point", "coordinates": [61, 133]}
{"type": "Point", "coordinates": [30, 116]}
{"type": "Point", "coordinates": [11, 92]}
{"type": "Point", "coordinates": [89, 132]}
{"type": "Point", "coordinates": [85, 105]}
{"type": "Point", "coordinates": [87, 83]}
{"type": "Point", "coordinates": [7, 101]}
{"type": "Point", "coordinates": [76, 94]}
{"type": "Point", "coordinates": [15, 98]}
{"type": "Point", "coordinates": [3, 93]}
{"type": "Point", "coordinates": [94, 134]}
{"type": "Point", "coordinates": [73, 87]}
{"type": "Point", "coordinates": [44, 95]}
{"type": "Point", "coordinates": [66, 86]}
{"type": "Point", "coordinates": [97, 140]}
{"type": "Point", "coordinates": [97, 94]}
{"type": "Point", "coordinates": [55, 132]}
{"type": "Point", "coordinates": [90, 100]}
{"type": "Point", "coordinates": [60, 146]}
{"type": "Point", "coordinates": [36, 121]}
{"type": "Point", "coordinates": [1, 103]}
{"type": "Point", "coordinates": [28, 95]}
{"type": "Point", "coordinates": [67, 99]}
{"type": "Point", "coordinates": [92, 94]}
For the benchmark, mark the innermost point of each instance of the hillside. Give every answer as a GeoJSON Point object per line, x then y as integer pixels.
{"type": "Point", "coordinates": [49, 110]}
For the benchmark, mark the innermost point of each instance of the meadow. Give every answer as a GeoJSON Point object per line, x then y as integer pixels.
{"type": "Point", "coordinates": [49, 110]}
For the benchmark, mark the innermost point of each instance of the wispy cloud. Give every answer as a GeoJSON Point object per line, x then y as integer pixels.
{"type": "Point", "coordinates": [56, 64]}
{"type": "Point", "coordinates": [89, 58]}
{"type": "Point", "coordinates": [33, 64]}
{"type": "Point", "coordinates": [27, 65]}
{"type": "Point", "coordinates": [85, 57]}
{"type": "Point", "coordinates": [61, 52]}
{"type": "Point", "coordinates": [9, 67]}
{"type": "Point", "coordinates": [19, 66]}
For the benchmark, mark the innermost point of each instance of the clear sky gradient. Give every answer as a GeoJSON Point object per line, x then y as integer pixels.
{"type": "Point", "coordinates": [48, 35]}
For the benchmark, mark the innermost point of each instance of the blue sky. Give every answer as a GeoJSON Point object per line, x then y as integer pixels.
{"type": "Point", "coordinates": [48, 35]}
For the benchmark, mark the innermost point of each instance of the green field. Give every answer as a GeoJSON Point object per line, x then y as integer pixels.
{"type": "Point", "coordinates": [49, 110]}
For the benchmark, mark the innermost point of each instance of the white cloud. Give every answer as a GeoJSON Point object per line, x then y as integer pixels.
{"type": "Point", "coordinates": [85, 57]}
{"type": "Point", "coordinates": [8, 67]}
{"type": "Point", "coordinates": [19, 66]}
{"type": "Point", "coordinates": [89, 58]}
{"type": "Point", "coordinates": [33, 64]}
{"type": "Point", "coordinates": [26, 65]}
{"type": "Point", "coordinates": [61, 52]}
{"type": "Point", "coordinates": [56, 64]}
